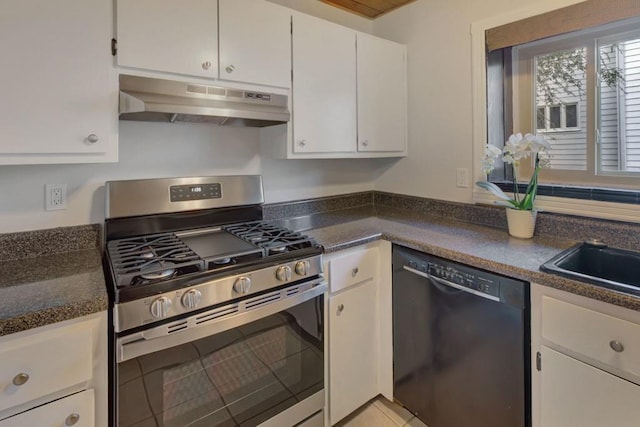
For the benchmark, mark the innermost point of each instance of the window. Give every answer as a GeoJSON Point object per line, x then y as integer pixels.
{"type": "Point", "coordinates": [557, 117]}
{"type": "Point", "coordinates": [604, 174]}
{"type": "Point", "coordinates": [582, 91]}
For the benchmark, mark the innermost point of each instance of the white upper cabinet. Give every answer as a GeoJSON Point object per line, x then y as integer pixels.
{"type": "Point", "coordinates": [175, 36]}
{"type": "Point", "coordinates": [349, 99]}
{"type": "Point", "coordinates": [255, 42]}
{"type": "Point", "coordinates": [382, 101]}
{"type": "Point", "coordinates": [324, 86]}
{"type": "Point", "coordinates": [59, 103]}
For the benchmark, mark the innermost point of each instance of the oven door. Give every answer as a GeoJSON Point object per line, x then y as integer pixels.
{"type": "Point", "coordinates": [259, 361]}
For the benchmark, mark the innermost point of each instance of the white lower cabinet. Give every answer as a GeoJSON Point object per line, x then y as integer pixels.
{"type": "Point", "coordinates": [359, 345]}
{"type": "Point", "coordinates": [577, 394]}
{"type": "Point", "coordinates": [76, 410]}
{"type": "Point", "coordinates": [353, 345]}
{"type": "Point", "coordinates": [585, 359]}
{"type": "Point", "coordinates": [55, 375]}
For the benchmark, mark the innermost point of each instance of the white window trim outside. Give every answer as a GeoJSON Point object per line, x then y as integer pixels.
{"type": "Point", "coordinates": [563, 118]}
{"type": "Point", "coordinates": [589, 208]}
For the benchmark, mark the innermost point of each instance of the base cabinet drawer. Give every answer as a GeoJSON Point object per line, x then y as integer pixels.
{"type": "Point", "coordinates": [45, 363]}
{"type": "Point", "coordinates": [591, 335]}
{"type": "Point", "coordinates": [351, 268]}
{"type": "Point", "coordinates": [76, 410]}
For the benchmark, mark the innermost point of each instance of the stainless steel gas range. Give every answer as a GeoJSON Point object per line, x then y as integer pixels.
{"type": "Point", "coordinates": [217, 316]}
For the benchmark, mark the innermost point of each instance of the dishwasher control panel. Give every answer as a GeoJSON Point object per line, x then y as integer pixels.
{"type": "Point", "coordinates": [458, 274]}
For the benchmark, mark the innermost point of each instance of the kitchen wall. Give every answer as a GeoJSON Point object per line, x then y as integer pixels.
{"type": "Point", "coordinates": [160, 150]}
{"type": "Point", "coordinates": [437, 34]}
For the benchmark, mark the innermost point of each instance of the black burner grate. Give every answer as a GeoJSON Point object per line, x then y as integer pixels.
{"type": "Point", "coordinates": [271, 238]}
{"type": "Point", "coordinates": [150, 258]}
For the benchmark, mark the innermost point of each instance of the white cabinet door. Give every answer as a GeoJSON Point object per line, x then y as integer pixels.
{"type": "Point", "coordinates": [324, 86]}
{"type": "Point", "coordinates": [353, 349]}
{"type": "Point", "coordinates": [176, 36]}
{"type": "Point", "coordinates": [382, 103]}
{"type": "Point", "coordinates": [576, 394]}
{"type": "Point", "coordinates": [255, 42]}
{"type": "Point", "coordinates": [76, 410]}
{"type": "Point", "coordinates": [58, 103]}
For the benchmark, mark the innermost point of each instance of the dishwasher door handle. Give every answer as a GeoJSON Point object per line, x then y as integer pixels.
{"type": "Point", "coordinates": [450, 284]}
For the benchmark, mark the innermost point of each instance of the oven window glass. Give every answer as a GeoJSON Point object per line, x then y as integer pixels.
{"type": "Point", "coordinates": [243, 376]}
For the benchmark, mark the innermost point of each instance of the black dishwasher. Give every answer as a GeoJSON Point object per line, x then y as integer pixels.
{"type": "Point", "coordinates": [461, 343]}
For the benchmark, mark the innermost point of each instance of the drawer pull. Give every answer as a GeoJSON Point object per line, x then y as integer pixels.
{"type": "Point", "coordinates": [616, 346]}
{"type": "Point", "coordinates": [354, 272]}
{"type": "Point", "coordinates": [20, 379]}
{"type": "Point", "coordinates": [340, 308]}
{"type": "Point", "coordinates": [72, 420]}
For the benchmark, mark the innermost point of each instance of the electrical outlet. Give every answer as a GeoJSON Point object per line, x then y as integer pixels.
{"type": "Point", "coordinates": [55, 197]}
{"type": "Point", "coordinates": [462, 177]}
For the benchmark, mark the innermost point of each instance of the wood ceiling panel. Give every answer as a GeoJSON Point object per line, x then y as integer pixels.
{"type": "Point", "coordinates": [368, 8]}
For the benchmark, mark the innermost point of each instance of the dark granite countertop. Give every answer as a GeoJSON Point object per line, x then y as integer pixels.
{"type": "Point", "coordinates": [50, 288]}
{"type": "Point", "coordinates": [480, 246]}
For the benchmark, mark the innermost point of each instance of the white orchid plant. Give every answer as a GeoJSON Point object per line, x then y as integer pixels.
{"type": "Point", "coordinates": [515, 150]}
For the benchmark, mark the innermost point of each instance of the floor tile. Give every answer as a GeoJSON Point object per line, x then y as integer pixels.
{"type": "Point", "coordinates": [415, 422]}
{"type": "Point", "coordinates": [398, 414]}
{"type": "Point", "coordinates": [367, 416]}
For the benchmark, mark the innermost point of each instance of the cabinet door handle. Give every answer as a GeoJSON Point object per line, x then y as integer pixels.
{"type": "Point", "coordinates": [72, 420]}
{"type": "Point", "coordinates": [230, 69]}
{"type": "Point", "coordinates": [355, 272]}
{"type": "Point", "coordinates": [302, 142]}
{"type": "Point", "coordinates": [365, 143]}
{"type": "Point", "coordinates": [206, 65]}
{"type": "Point", "coordinates": [340, 308]}
{"type": "Point", "coordinates": [92, 139]}
{"type": "Point", "coordinates": [616, 346]}
{"type": "Point", "coordinates": [20, 379]}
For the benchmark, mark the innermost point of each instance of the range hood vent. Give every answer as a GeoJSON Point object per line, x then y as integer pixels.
{"type": "Point", "coordinates": [158, 100]}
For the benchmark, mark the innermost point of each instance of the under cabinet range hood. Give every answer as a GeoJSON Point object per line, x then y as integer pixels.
{"type": "Point", "coordinates": [159, 100]}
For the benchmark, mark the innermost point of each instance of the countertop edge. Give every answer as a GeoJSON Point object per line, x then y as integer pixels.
{"type": "Point", "coordinates": [48, 316]}
{"type": "Point", "coordinates": [539, 277]}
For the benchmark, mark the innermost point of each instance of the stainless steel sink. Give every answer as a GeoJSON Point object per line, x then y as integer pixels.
{"type": "Point", "coordinates": [598, 264]}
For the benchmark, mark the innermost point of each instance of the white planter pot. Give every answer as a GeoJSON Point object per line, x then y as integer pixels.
{"type": "Point", "coordinates": [521, 223]}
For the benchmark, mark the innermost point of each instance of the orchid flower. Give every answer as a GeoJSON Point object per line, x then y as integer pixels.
{"type": "Point", "coordinates": [516, 148]}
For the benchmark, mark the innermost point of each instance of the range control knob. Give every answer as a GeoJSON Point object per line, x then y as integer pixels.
{"type": "Point", "coordinates": [242, 285]}
{"type": "Point", "coordinates": [191, 299]}
{"type": "Point", "coordinates": [303, 267]}
{"type": "Point", "coordinates": [283, 273]}
{"type": "Point", "coordinates": [160, 307]}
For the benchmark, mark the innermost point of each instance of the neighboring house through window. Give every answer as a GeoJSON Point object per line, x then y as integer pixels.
{"type": "Point", "coordinates": [582, 91]}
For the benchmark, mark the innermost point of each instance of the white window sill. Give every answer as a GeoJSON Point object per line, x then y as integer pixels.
{"type": "Point", "coordinates": [587, 208]}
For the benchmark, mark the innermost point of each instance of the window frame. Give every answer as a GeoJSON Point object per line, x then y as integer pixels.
{"type": "Point", "coordinates": [625, 210]}
{"type": "Point", "coordinates": [524, 116]}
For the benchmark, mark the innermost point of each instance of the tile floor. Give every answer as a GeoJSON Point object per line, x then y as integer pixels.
{"type": "Point", "coordinates": [381, 413]}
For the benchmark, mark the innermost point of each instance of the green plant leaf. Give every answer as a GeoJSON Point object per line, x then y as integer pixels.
{"type": "Point", "coordinates": [494, 189]}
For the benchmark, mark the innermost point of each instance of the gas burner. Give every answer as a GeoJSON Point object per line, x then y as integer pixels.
{"type": "Point", "coordinates": [273, 239]}
{"type": "Point", "coordinates": [161, 270]}
{"type": "Point", "coordinates": [151, 258]}
{"type": "Point", "coordinates": [147, 253]}
{"type": "Point", "coordinates": [278, 250]}
{"type": "Point", "coordinates": [222, 261]}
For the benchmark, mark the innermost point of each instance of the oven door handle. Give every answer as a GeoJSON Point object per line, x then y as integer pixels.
{"type": "Point", "coordinates": [193, 328]}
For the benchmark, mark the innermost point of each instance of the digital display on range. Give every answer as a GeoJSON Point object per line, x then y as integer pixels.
{"type": "Point", "coordinates": [187, 193]}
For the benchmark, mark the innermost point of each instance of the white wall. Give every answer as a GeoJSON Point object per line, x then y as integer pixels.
{"type": "Point", "coordinates": [437, 34]}
{"type": "Point", "coordinates": [150, 150]}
